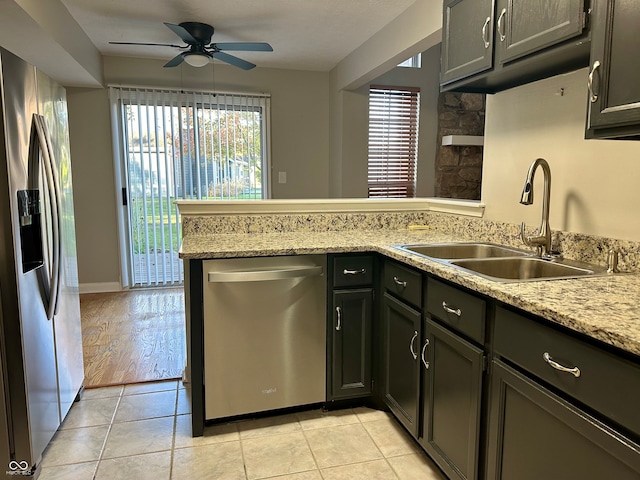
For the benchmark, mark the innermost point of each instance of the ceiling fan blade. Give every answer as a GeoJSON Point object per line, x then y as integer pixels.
{"type": "Point", "coordinates": [235, 61]}
{"type": "Point", "coordinates": [244, 46]}
{"type": "Point", "coordinates": [175, 61]}
{"type": "Point", "coordinates": [182, 33]}
{"type": "Point", "coordinates": [153, 44]}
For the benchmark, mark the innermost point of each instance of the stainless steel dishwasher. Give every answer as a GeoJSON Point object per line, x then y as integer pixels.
{"type": "Point", "coordinates": [264, 333]}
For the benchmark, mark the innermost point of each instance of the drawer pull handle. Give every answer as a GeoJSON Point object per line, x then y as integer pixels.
{"type": "Point", "coordinates": [575, 371]}
{"type": "Point", "coordinates": [413, 339]}
{"type": "Point", "coordinates": [339, 322]}
{"type": "Point", "coordinates": [424, 347]}
{"type": "Point", "coordinates": [400, 282]}
{"type": "Point", "coordinates": [362, 271]}
{"type": "Point", "coordinates": [448, 309]}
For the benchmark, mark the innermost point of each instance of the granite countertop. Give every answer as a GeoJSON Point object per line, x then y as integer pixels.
{"type": "Point", "coordinates": [606, 308]}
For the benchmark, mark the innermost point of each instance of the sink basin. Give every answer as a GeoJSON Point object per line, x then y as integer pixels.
{"type": "Point", "coordinates": [501, 263]}
{"type": "Point", "coordinates": [452, 251]}
{"type": "Point", "coordinates": [520, 269]}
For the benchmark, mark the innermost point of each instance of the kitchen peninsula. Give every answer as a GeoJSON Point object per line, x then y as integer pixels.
{"type": "Point", "coordinates": [601, 312]}
{"type": "Point", "coordinates": [605, 308]}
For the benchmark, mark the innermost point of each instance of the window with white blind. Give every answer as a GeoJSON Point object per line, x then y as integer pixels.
{"type": "Point", "coordinates": [393, 141]}
{"type": "Point", "coordinates": [181, 145]}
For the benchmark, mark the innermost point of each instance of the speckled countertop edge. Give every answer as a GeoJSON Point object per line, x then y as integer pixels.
{"type": "Point", "coordinates": [604, 308]}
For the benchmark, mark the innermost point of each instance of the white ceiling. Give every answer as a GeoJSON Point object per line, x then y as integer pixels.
{"type": "Point", "coordinates": [305, 34]}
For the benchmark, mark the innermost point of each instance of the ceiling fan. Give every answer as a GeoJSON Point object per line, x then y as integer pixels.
{"type": "Point", "coordinates": [200, 49]}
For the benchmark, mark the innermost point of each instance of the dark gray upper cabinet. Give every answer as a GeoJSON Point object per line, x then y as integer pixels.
{"type": "Point", "coordinates": [614, 78]}
{"type": "Point", "coordinates": [525, 27]}
{"type": "Point", "coordinates": [489, 45]}
{"type": "Point", "coordinates": [467, 44]}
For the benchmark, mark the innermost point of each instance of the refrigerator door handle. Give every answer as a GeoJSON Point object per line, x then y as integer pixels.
{"type": "Point", "coordinates": [57, 211]}
{"type": "Point", "coordinates": [45, 149]}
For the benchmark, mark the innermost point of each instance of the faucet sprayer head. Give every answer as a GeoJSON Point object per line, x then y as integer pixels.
{"type": "Point", "coordinates": [527, 194]}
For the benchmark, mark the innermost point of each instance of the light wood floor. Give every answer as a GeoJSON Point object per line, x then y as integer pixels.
{"type": "Point", "coordinates": [134, 336]}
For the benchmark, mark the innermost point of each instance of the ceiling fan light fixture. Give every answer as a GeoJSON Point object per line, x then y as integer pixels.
{"type": "Point", "coordinates": [196, 59]}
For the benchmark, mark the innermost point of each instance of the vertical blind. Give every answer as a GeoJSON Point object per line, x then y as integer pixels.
{"type": "Point", "coordinates": [393, 141]}
{"type": "Point", "coordinates": [183, 145]}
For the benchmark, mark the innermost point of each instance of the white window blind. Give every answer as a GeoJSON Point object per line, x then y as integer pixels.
{"type": "Point", "coordinates": [182, 145]}
{"type": "Point", "coordinates": [393, 141]}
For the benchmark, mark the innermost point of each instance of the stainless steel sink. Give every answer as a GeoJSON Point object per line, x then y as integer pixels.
{"type": "Point", "coordinates": [501, 263]}
{"type": "Point", "coordinates": [453, 251]}
{"type": "Point", "coordinates": [520, 269]}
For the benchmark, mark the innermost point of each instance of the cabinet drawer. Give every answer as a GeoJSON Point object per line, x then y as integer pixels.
{"type": "Point", "coordinates": [352, 270]}
{"type": "Point", "coordinates": [601, 380]}
{"type": "Point", "coordinates": [461, 311]}
{"type": "Point", "coordinates": [403, 283]}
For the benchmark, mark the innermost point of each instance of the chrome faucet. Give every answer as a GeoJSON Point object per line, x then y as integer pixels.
{"type": "Point", "coordinates": [542, 241]}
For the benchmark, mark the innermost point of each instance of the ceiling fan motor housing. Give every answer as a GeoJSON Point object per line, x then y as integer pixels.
{"type": "Point", "coordinates": [199, 31]}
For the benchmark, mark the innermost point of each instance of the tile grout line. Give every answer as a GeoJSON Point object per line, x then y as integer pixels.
{"type": "Point", "coordinates": [359, 422]}
{"type": "Point", "coordinates": [379, 450]}
{"type": "Point", "coordinates": [244, 462]}
{"type": "Point", "coordinates": [112, 422]}
{"type": "Point", "coordinates": [106, 437]}
{"type": "Point", "coordinates": [315, 460]}
{"type": "Point", "coordinates": [175, 426]}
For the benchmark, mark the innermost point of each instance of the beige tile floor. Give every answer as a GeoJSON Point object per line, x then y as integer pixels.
{"type": "Point", "coordinates": [144, 432]}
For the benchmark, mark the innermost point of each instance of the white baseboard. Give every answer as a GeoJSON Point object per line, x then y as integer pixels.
{"type": "Point", "coordinates": [103, 287]}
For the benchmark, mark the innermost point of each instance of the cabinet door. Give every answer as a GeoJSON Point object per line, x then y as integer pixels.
{"type": "Point", "coordinates": [526, 27]}
{"type": "Point", "coordinates": [534, 434]}
{"type": "Point", "coordinates": [452, 392]}
{"type": "Point", "coordinates": [615, 77]}
{"type": "Point", "coordinates": [401, 334]}
{"type": "Point", "coordinates": [351, 342]}
{"type": "Point", "coordinates": [467, 38]}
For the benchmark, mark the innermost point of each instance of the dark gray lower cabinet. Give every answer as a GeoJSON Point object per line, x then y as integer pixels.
{"type": "Point", "coordinates": [534, 434]}
{"type": "Point", "coordinates": [351, 343]}
{"type": "Point", "coordinates": [401, 339]}
{"type": "Point", "coordinates": [452, 372]}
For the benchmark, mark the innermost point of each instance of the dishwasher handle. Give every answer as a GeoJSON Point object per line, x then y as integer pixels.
{"type": "Point", "coordinates": [265, 275]}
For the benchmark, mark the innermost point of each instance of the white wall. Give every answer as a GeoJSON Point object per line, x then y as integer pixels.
{"type": "Point", "coordinates": [45, 34]}
{"type": "Point", "coordinates": [594, 182]}
{"type": "Point", "coordinates": [415, 30]}
{"type": "Point", "coordinates": [94, 194]}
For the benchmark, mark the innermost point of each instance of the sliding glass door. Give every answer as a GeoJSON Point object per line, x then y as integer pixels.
{"type": "Point", "coordinates": [182, 145]}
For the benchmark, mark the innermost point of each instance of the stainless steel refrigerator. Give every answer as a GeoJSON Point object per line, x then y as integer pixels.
{"type": "Point", "coordinates": [40, 336]}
